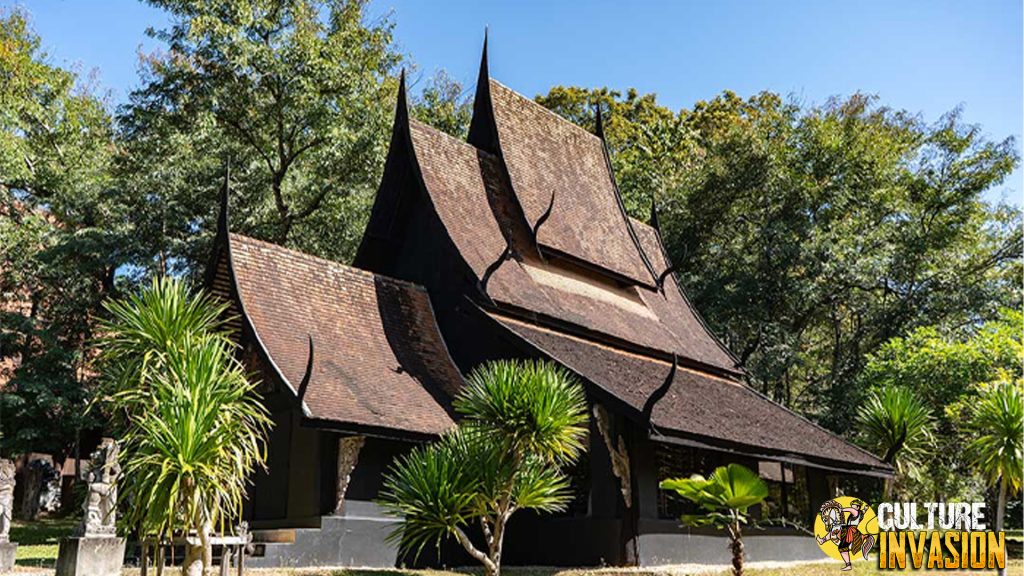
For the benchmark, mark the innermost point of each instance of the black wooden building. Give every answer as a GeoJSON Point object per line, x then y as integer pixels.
{"type": "Point", "coordinates": [514, 244]}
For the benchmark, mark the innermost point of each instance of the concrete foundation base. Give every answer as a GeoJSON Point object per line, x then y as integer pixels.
{"type": "Point", "coordinates": [90, 556]}
{"type": "Point", "coordinates": [7, 552]}
{"type": "Point", "coordinates": [340, 541]}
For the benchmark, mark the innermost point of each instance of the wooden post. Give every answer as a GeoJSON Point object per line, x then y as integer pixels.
{"type": "Point", "coordinates": [159, 554]}
{"type": "Point", "coordinates": [785, 493]}
{"type": "Point", "coordinates": [225, 560]}
{"type": "Point", "coordinates": [144, 558]}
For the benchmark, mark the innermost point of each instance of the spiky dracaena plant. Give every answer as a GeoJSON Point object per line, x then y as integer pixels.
{"type": "Point", "coordinates": [193, 428]}
{"type": "Point", "coordinates": [997, 425]}
{"type": "Point", "coordinates": [898, 426]}
{"type": "Point", "coordinates": [522, 423]}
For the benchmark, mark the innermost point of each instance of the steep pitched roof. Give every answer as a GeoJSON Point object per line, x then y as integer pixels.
{"type": "Point", "coordinates": [547, 155]}
{"type": "Point", "coordinates": [361, 351]}
{"type": "Point", "coordinates": [474, 202]}
{"type": "Point", "coordinates": [713, 411]}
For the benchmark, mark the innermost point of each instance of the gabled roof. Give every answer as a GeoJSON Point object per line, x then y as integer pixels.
{"type": "Point", "coordinates": [690, 406]}
{"type": "Point", "coordinates": [576, 279]}
{"type": "Point", "coordinates": [547, 155]}
{"type": "Point", "coordinates": [476, 206]}
{"type": "Point", "coordinates": [361, 352]}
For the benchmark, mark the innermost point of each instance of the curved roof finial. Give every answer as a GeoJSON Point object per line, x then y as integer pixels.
{"type": "Point", "coordinates": [654, 215]}
{"type": "Point", "coordinates": [403, 99]}
{"type": "Point", "coordinates": [484, 72]}
{"type": "Point", "coordinates": [222, 218]}
{"type": "Point", "coordinates": [660, 391]}
{"type": "Point", "coordinates": [308, 374]}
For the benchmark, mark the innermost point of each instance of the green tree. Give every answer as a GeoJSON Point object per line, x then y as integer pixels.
{"type": "Point", "coordinates": [297, 93]}
{"type": "Point", "coordinates": [522, 422]}
{"type": "Point", "coordinates": [191, 422]}
{"type": "Point", "coordinates": [898, 426]}
{"type": "Point", "coordinates": [809, 236]}
{"type": "Point", "coordinates": [444, 104]}
{"type": "Point", "coordinates": [726, 496]}
{"type": "Point", "coordinates": [64, 231]}
{"type": "Point", "coordinates": [946, 371]}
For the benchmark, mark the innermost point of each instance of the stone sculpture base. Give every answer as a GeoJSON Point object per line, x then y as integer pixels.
{"type": "Point", "coordinates": [7, 552]}
{"type": "Point", "coordinates": [90, 556]}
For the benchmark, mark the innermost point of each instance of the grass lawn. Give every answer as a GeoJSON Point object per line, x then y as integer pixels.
{"type": "Point", "coordinates": [38, 541]}
{"type": "Point", "coordinates": [1013, 568]}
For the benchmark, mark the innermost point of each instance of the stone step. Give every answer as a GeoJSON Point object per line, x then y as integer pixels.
{"type": "Point", "coordinates": [340, 541]}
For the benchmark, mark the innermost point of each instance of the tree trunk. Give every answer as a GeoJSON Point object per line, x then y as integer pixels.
{"type": "Point", "coordinates": [1001, 511]}
{"type": "Point", "coordinates": [736, 535]}
{"type": "Point", "coordinates": [204, 539]}
{"type": "Point", "coordinates": [193, 564]}
{"type": "Point", "coordinates": [886, 489]}
{"type": "Point", "coordinates": [198, 553]}
{"type": "Point", "coordinates": [490, 568]}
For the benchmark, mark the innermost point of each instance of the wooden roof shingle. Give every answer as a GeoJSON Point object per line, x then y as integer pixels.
{"type": "Point", "coordinates": [713, 411]}
{"type": "Point", "coordinates": [546, 154]}
{"type": "Point", "coordinates": [379, 362]}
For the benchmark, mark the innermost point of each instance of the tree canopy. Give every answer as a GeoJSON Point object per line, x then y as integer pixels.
{"type": "Point", "coordinates": [808, 236]}
{"type": "Point", "coordinates": [63, 234]}
{"type": "Point", "coordinates": [296, 94]}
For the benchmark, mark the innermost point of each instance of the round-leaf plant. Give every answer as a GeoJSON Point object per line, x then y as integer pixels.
{"type": "Point", "coordinates": [725, 497]}
{"type": "Point", "coordinates": [522, 423]}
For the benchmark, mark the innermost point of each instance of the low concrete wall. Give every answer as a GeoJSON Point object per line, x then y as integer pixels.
{"type": "Point", "coordinates": [664, 542]}
{"type": "Point", "coordinates": [340, 541]}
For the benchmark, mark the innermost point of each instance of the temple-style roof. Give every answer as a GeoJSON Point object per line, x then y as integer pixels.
{"type": "Point", "coordinates": [546, 154]}
{"type": "Point", "coordinates": [526, 222]}
{"type": "Point", "coordinates": [477, 208]}
{"type": "Point", "coordinates": [696, 407]}
{"type": "Point", "coordinates": [361, 351]}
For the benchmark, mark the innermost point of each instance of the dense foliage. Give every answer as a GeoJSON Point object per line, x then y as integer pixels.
{"type": "Point", "coordinates": [62, 236]}
{"type": "Point", "coordinates": [297, 94]}
{"type": "Point", "coordinates": [945, 371]}
{"type": "Point", "coordinates": [809, 236]}
{"type": "Point", "coordinates": [522, 423]}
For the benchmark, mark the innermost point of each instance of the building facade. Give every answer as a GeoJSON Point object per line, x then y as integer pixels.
{"type": "Point", "coordinates": [513, 244]}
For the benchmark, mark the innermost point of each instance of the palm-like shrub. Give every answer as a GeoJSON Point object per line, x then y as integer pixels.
{"type": "Point", "coordinates": [725, 496]}
{"type": "Point", "coordinates": [997, 450]}
{"type": "Point", "coordinates": [898, 426]}
{"type": "Point", "coordinates": [193, 428]}
{"type": "Point", "coordinates": [522, 422]}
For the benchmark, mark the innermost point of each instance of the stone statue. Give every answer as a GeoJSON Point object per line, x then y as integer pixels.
{"type": "Point", "coordinates": [6, 498]}
{"type": "Point", "coordinates": [101, 503]}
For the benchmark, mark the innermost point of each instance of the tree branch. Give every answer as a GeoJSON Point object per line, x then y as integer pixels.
{"type": "Point", "coordinates": [472, 551]}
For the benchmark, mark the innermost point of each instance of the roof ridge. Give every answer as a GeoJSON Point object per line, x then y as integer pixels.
{"type": "Point", "coordinates": [330, 263]}
{"type": "Point", "coordinates": [549, 111]}
{"type": "Point", "coordinates": [447, 136]}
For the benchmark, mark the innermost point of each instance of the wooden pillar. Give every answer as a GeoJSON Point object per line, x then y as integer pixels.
{"type": "Point", "coordinates": [785, 491]}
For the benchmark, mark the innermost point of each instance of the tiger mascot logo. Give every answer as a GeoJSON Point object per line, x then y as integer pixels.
{"type": "Point", "coordinates": [845, 528]}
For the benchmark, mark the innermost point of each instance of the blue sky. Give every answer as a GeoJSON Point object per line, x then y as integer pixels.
{"type": "Point", "coordinates": [926, 56]}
